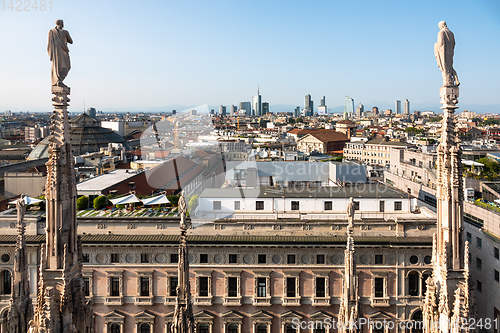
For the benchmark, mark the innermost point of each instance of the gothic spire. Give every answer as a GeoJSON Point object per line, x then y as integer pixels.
{"type": "Point", "coordinates": [349, 303]}
{"type": "Point", "coordinates": [183, 313]}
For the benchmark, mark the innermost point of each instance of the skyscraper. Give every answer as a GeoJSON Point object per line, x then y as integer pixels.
{"type": "Point", "coordinates": [397, 109]}
{"type": "Point", "coordinates": [247, 106]}
{"type": "Point", "coordinates": [297, 112]}
{"type": "Point", "coordinates": [349, 106]}
{"type": "Point", "coordinates": [257, 104]}
{"type": "Point", "coordinates": [232, 110]}
{"type": "Point", "coordinates": [407, 107]}
{"type": "Point", "coordinates": [265, 108]}
{"type": "Point", "coordinates": [322, 109]}
{"type": "Point", "coordinates": [375, 110]}
{"type": "Point", "coordinates": [222, 110]}
{"type": "Point", "coordinates": [308, 105]}
{"type": "Point", "coordinates": [360, 110]}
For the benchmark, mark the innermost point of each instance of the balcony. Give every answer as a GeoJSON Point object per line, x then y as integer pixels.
{"type": "Point", "coordinates": [291, 301]}
{"type": "Point", "coordinates": [261, 301]}
{"type": "Point", "coordinates": [380, 301]}
{"type": "Point", "coordinates": [232, 301]}
{"type": "Point", "coordinates": [170, 300]}
{"type": "Point", "coordinates": [114, 300]}
{"type": "Point", "coordinates": [203, 300]}
{"type": "Point", "coordinates": [144, 300]}
{"type": "Point", "coordinates": [321, 301]}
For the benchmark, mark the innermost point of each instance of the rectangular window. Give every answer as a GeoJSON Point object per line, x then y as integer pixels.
{"type": "Point", "coordinates": [232, 286]}
{"type": "Point", "coordinates": [233, 258]}
{"type": "Point", "coordinates": [290, 287]}
{"type": "Point", "coordinates": [295, 205]}
{"type": "Point", "coordinates": [328, 205]}
{"type": "Point", "coordinates": [86, 257]}
{"type": "Point", "coordinates": [144, 286]}
{"type": "Point", "coordinates": [382, 206]}
{"type": "Point", "coordinates": [356, 205]}
{"type": "Point", "coordinates": [320, 259]}
{"type": "Point", "coordinates": [174, 258]}
{"type": "Point", "coordinates": [398, 205]}
{"type": "Point", "coordinates": [479, 286]}
{"type": "Point", "coordinates": [261, 259]}
{"type": "Point", "coordinates": [497, 253]}
{"type": "Point", "coordinates": [236, 205]}
{"type": "Point", "coordinates": [144, 258]}
{"type": "Point", "coordinates": [379, 287]}
{"type": "Point", "coordinates": [320, 287]}
{"type": "Point", "coordinates": [203, 281]}
{"type": "Point", "coordinates": [115, 286]}
{"type": "Point", "coordinates": [479, 263]}
{"type": "Point", "coordinates": [290, 259]}
{"type": "Point", "coordinates": [497, 275]}
{"type": "Point", "coordinates": [216, 205]}
{"type": "Point", "coordinates": [479, 242]}
{"type": "Point", "coordinates": [174, 281]}
{"type": "Point", "coordinates": [115, 257]}
{"type": "Point", "coordinates": [86, 286]}
{"type": "Point", "coordinates": [379, 259]}
{"type": "Point", "coordinates": [469, 238]}
{"type": "Point", "coordinates": [259, 205]}
{"type": "Point", "coordinates": [261, 287]}
{"type": "Point", "coordinates": [203, 258]}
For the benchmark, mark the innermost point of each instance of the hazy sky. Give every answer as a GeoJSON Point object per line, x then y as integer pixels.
{"type": "Point", "coordinates": [145, 54]}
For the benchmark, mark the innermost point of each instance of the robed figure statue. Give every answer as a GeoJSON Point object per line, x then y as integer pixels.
{"type": "Point", "coordinates": [444, 50]}
{"type": "Point", "coordinates": [57, 48]}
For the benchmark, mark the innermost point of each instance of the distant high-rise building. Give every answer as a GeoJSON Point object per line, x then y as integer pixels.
{"type": "Point", "coordinates": [349, 106]}
{"type": "Point", "coordinates": [222, 110]}
{"type": "Point", "coordinates": [360, 110]}
{"type": "Point", "coordinates": [407, 107]}
{"type": "Point", "coordinates": [257, 104]}
{"type": "Point", "coordinates": [174, 111]}
{"type": "Point", "coordinates": [232, 110]}
{"type": "Point", "coordinates": [296, 113]}
{"type": "Point", "coordinates": [375, 110]}
{"type": "Point", "coordinates": [308, 105]}
{"type": "Point", "coordinates": [398, 107]}
{"type": "Point", "coordinates": [265, 108]}
{"type": "Point", "coordinates": [7, 113]}
{"type": "Point", "coordinates": [212, 111]}
{"type": "Point", "coordinates": [322, 109]}
{"type": "Point", "coordinates": [91, 112]}
{"type": "Point", "coordinates": [247, 106]}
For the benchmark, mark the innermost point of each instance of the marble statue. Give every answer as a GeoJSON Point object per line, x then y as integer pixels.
{"type": "Point", "coordinates": [350, 211]}
{"type": "Point", "coordinates": [443, 50]}
{"type": "Point", "coordinates": [57, 48]}
{"type": "Point", "coordinates": [21, 209]}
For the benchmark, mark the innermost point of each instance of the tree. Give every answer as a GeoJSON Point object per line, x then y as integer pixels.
{"type": "Point", "coordinates": [100, 202]}
{"type": "Point", "coordinates": [490, 165]}
{"type": "Point", "coordinates": [82, 202]}
{"type": "Point", "coordinates": [291, 121]}
{"type": "Point", "coordinates": [193, 203]}
{"type": "Point", "coordinates": [174, 199]}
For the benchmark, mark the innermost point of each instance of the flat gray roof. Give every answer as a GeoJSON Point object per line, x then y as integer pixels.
{"type": "Point", "coordinates": [102, 182]}
{"type": "Point", "coordinates": [356, 191]}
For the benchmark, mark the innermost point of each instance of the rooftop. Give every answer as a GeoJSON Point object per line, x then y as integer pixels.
{"type": "Point", "coordinates": [102, 182]}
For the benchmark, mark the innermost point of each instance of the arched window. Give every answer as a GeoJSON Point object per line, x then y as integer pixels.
{"type": "Point", "coordinates": [289, 329]}
{"type": "Point", "coordinates": [417, 322]}
{"type": "Point", "coordinates": [414, 284]}
{"type": "Point", "coordinates": [6, 282]}
{"type": "Point", "coordinates": [261, 328]}
{"type": "Point", "coordinates": [145, 328]}
{"type": "Point", "coordinates": [115, 328]}
{"type": "Point", "coordinates": [203, 328]}
{"type": "Point", "coordinates": [232, 328]}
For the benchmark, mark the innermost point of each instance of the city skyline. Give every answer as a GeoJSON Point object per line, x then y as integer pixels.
{"type": "Point", "coordinates": [133, 54]}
